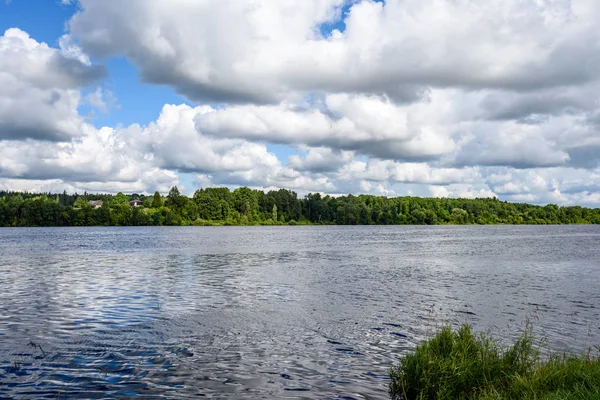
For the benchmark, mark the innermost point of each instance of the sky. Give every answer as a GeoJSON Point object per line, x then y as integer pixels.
{"type": "Point", "coordinates": [437, 98]}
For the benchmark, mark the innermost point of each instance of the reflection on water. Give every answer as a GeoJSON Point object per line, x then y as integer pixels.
{"type": "Point", "coordinates": [278, 312]}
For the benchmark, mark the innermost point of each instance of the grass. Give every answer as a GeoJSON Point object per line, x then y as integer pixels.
{"type": "Point", "coordinates": [458, 364]}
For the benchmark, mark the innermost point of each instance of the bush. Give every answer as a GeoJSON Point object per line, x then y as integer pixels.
{"type": "Point", "coordinates": [461, 365]}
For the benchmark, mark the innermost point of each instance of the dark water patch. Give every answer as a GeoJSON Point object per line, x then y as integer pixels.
{"type": "Point", "coordinates": [393, 325]}
{"type": "Point", "coordinates": [581, 304]}
{"type": "Point", "coordinates": [340, 382]}
{"type": "Point", "coordinates": [466, 312]}
{"type": "Point", "coordinates": [374, 375]}
{"type": "Point", "coordinates": [349, 351]}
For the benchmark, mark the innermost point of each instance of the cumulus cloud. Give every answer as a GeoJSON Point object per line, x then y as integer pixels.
{"type": "Point", "coordinates": [321, 159]}
{"type": "Point", "coordinates": [43, 66]}
{"type": "Point", "coordinates": [543, 180]}
{"type": "Point", "coordinates": [386, 170]}
{"type": "Point", "coordinates": [461, 191]}
{"type": "Point", "coordinates": [513, 144]}
{"type": "Point", "coordinates": [373, 126]}
{"type": "Point", "coordinates": [105, 155]}
{"type": "Point", "coordinates": [39, 92]}
{"type": "Point", "coordinates": [446, 126]}
{"type": "Point", "coordinates": [175, 143]}
{"type": "Point", "coordinates": [146, 158]}
{"type": "Point", "coordinates": [238, 47]}
{"type": "Point", "coordinates": [260, 51]}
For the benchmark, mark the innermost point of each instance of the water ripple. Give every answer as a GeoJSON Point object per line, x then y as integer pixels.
{"type": "Point", "coordinates": [273, 312]}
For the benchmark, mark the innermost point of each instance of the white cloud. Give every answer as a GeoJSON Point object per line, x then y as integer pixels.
{"type": "Point", "coordinates": [101, 100]}
{"type": "Point", "coordinates": [446, 126]}
{"type": "Point", "coordinates": [461, 191]}
{"type": "Point", "coordinates": [264, 50]}
{"type": "Point", "coordinates": [175, 143]}
{"type": "Point", "coordinates": [371, 125]}
{"type": "Point", "coordinates": [384, 170]}
{"type": "Point", "coordinates": [321, 159]}
{"type": "Point", "coordinates": [440, 191]}
{"type": "Point", "coordinates": [38, 89]}
{"type": "Point", "coordinates": [146, 158]}
{"type": "Point", "coordinates": [511, 143]}
{"type": "Point", "coordinates": [561, 185]}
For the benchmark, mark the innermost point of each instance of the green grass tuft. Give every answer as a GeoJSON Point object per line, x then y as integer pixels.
{"type": "Point", "coordinates": [457, 364]}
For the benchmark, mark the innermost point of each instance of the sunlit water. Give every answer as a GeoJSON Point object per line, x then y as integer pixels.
{"type": "Point", "coordinates": [273, 312]}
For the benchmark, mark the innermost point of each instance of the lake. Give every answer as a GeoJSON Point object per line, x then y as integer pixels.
{"type": "Point", "coordinates": [317, 312]}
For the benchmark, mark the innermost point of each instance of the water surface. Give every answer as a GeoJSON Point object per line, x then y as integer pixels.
{"type": "Point", "coordinates": [273, 312]}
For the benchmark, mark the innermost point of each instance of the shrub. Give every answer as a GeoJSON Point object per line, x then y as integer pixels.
{"type": "Point", "coordinates": [461, 365]}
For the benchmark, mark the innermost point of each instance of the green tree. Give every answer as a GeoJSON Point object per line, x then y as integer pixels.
{"type": "Point", "coordinates": [80, 203]}
{"type": "Point", "coordinates": [175, 199]}
{"type": "Point", "coordinates": [156, 201]}
{"type": "Point", "coordinates": [120, 199]}
{"type": "Point", "coordinates": [246, 202]}
{"type": "Point", "coordinates": [459, 216]}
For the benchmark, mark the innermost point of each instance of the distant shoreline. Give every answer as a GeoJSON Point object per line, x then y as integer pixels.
{"type": "Point", "coordinates": [217, 225]}
{"type": "Point", "coordinates": [247, 207]}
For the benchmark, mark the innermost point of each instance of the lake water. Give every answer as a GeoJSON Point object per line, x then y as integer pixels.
{"type": "Point", "coordinates": [273, 312]}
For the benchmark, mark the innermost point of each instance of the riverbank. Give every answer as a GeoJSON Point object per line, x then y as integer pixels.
{"type": "Point", "coordinates": [458, 364]}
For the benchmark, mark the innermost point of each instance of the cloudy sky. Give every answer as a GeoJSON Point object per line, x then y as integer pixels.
{"type": "Point", "coordinates": [444, 98]}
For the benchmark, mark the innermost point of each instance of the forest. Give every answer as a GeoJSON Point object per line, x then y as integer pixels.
{"type": "Point", "coordinates": [245, 206]}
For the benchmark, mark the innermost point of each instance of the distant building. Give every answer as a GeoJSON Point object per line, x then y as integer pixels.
{"type": "Point", "coordinates": [95, 203]}
{"type": "Point", "coordinates": [135, 203]}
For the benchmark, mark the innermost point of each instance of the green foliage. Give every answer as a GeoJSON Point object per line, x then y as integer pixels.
{"type": "Point", "coordinates": [461, 365]}
{"type": "Point", "coordinates": [120, 199]}
{"type": "Point", "coordinates": [459, 216]}
{"type": "Point", "coordinates": [80, 203]}
{"type": "Point", "coordinates": [244, 206]}
{"type": "Point", "coordinates": [156, 200]}
{"type": "Point", "coordinates": [174, 199]}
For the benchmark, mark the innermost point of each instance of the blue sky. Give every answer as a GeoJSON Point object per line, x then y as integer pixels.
{"type": "Point", "coordinates": [263, 94]}
{"type": "Point", "coordinates": [45, 21]}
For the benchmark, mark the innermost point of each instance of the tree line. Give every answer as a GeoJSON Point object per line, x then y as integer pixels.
{"type": "Point", "coordinates": [244, 206]}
